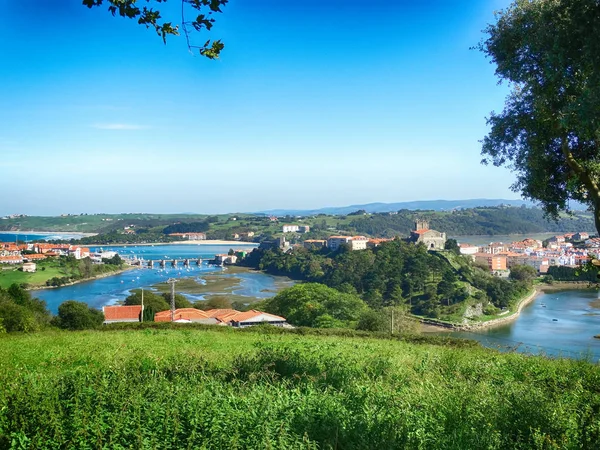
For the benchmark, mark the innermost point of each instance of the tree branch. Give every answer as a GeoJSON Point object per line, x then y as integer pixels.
{"type": "Point", "coordinates": [581, 172]}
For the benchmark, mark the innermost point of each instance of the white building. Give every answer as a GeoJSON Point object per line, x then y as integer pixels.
{"type": "Point", "coordinates": [291, 228]}
{"type": "Point", "coordinates": [358, 242]}
{"type": "Point", "coordinates": [355, 242]}
{"type": "Point", "coordinates": [29, 267]}
{"type": "Point", "coordinates": [468, 249]}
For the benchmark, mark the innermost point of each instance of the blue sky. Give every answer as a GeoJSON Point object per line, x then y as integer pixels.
{"type": "Point", "coordinates": [312, 104]}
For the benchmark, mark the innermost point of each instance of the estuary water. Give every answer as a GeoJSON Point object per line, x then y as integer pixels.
{"type": "Point", "coordinates": [27, 236]}
{"type": "Point", "coordinates": [557, 324]}
{"type": "Point", "coordinates": [109, 290]}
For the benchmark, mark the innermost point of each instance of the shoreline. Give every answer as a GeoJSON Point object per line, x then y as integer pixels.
{"type": "Point", "coordinates": [83, 280]}
{"type": "Point", "coordinates": [433, 325]}
{"type": "Point", "coordinates": [204, 242]}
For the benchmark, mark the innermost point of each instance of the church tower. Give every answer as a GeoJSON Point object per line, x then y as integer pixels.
{"type": "Point", "coordinates": [421, 225]}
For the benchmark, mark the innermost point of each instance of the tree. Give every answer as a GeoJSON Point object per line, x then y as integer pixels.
{"type": "Point", "coordinates": [549, 130]}
{"type": "Point", "coordinates": [452, 245]}
{"type": "Point", "coordinates": [181, 301]}
{"type": "Point", "coordinates": [523, 273]}
{"type": "Point", "coordinates": [151, 18]}
{"type": "Point", "coordinates": [217, 302]}
{"type": "Point", "coordinates": [314, 304]}
{"type": "Point", "coordinates": [74, 315]}
{"type": "Point", "coordinates": [151, 300]}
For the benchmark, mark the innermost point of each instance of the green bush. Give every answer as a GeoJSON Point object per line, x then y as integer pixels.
{"type": "Point", "coordinates": [74, 315]}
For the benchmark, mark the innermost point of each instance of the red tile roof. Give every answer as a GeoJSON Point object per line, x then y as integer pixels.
{"type": "Point", "coordinates": [244, 316]}
{"type": "Point", "coordinates": [421, 231]}
{"type": "Point", "coordinates": [181, 313]}
{"type": "Point", "coordinates": [122, 312]}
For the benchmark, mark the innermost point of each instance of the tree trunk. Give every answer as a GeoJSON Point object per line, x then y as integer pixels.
{"type": "Point", "coordinates": [586, 179]}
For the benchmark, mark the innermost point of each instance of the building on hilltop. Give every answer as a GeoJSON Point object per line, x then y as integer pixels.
{"type": "Point", "coordinates": [433, 240]}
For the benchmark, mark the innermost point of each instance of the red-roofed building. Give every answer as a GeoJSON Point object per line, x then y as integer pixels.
{"type": "Point", "coordinates": [433, 240]}
{"type": "Point", "coordinates": [185, 315]}
{"type": "Point", "coordinates": [254, 317]}
{"type": "Point", "coordinates": [114, 314]}
{"type": "Point", "coordinates": [11, 259]}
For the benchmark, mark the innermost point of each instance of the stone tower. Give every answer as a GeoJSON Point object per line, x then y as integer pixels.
{"type": "Point", "coordinates": [421, 225]}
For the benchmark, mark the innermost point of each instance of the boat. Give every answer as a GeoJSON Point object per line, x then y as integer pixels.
{"type": "Point", "coordinates": [554, 320]}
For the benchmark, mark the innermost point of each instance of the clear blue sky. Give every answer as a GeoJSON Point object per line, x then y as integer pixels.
{"type": "Point", "coordinates": [313, 103]}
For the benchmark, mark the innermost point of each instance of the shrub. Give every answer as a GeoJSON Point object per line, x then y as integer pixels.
{"type": "Point", "coordinates": [74, 315]}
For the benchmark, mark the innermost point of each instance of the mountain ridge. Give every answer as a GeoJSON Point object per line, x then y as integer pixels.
{"type": "Point", "coordinates": [378, 207]}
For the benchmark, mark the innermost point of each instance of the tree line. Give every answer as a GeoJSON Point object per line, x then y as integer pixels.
{"type": "Point", "coordinates": [396, 274]}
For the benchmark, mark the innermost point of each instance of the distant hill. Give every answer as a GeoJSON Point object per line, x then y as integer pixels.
{"type": "Point", "coordinates": [435, 205]}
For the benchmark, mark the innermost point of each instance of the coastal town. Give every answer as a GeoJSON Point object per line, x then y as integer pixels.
{"type": "Point", "coordinates": [569, 249]}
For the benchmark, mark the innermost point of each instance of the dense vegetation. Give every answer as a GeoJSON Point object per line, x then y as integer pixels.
{"type": "Point", "coordinates": [475, 221]}
{"type": "Point", "coordinates": [563, 273]}
{"type": "Point", "coordinates": [79, 269]}
{"type": "Point", "coordinates": [397, 273]}
{"type": "Point", "coordinates": [153, 228]}
{"type": "Point", "coordinates": [191, 227]}
{"type": "Point", "coordinates": [222, 388]}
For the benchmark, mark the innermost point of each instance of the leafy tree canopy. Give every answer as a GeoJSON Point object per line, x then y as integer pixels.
{"type": "Point", "coordinates": [153, 18]}
{"type": "Point", "coordinates": [74, 315]}
{"type": "Point", "coordinates": [151, 300]}
{"type": "Point", "coordinates": [549, 130]}
{"type": "Point", "coordinates": [314, 305]}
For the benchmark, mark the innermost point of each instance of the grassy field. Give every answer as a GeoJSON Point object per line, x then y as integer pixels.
{"type": "Point", "coordinates": [12, 275]}
{"type": "Point", "coordinates": [168, 387]}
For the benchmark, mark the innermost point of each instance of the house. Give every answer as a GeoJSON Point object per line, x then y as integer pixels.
{"type": "Point", "coordinates": [433, 240]}
{"type": "Point", "coordinates": [581, 236]}
{"type": "Point", "coordinates": [224, 258]}
{"type": "Point", "coordinates": [557, 239]}
{"type": "Point", "coordinates": [290, 228]}
{"type": "Point", "coordinates": [358, 243]}
{"type": "Point", "coordinates": [37, 256]}
{"type": "Point", "coordinates": [185, 315]}
{"type": "Point", "coordinates": [376, 242]}
{"type": "Point", "coordinates": [246, 235]}
{"type": "Point", "coordinates": [468, 249]}
{"type": "Point", "coordinates": [334, 242]}
{"type": "Point", "coordinates": [314, 244]}
{"type": "Point", "coordinates": [304, 228]}
{"type": "Point", "coordinates": [117, 313]}
{"type": "Point", "coordinates": [494, 248]}
{"type": "Point", "coordinates": [493, 262]}
{"type": "Point", "coordinates": [29, 267]}
{"type": "Point", "coordinates": [11, 259]}
{"type": "Point", "coordinates": [79, 252]}
{"type": "Point", "coordinates": [280, 243]}
{"type": "Point", "coordinates": [254, 317]}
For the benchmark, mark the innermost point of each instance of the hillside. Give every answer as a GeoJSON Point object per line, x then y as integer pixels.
{"type": "Point", "coordinates": [153, 227]}
{"type": "Point", "coordinates": [438, 285]}
{"type": "Point", "coordinates": [434, 205]}
{"type": "Point", "coordinates": [198, 388]}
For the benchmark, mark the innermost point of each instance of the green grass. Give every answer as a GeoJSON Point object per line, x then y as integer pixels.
{"type": "Point", "coordinates": [196, 387]}
{"type": "Point", "coordinates": [8, 277]}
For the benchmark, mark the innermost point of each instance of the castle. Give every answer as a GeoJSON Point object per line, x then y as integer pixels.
{"type": "Point", "coordinates": [433, 240]}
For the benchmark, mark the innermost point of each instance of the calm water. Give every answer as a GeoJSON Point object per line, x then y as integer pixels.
{"type": "Point", "coordinates": [536, 332]}
{"type": "Point", "coordinates": [106, 291]}
{"type": "Point", "coordinates": [25, 237]}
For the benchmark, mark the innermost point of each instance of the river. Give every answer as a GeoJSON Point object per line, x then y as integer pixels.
{"type": "Point", "coordinates": [109, 290]}
{"type": "Point", "coordinates": [557, 324]}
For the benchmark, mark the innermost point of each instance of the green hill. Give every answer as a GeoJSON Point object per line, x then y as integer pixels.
{"type": "Point", "coordinates": [198, 388]}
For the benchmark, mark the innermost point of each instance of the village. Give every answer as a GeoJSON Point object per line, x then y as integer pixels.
{"type": "Point", "coordinates": [569, 249]}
